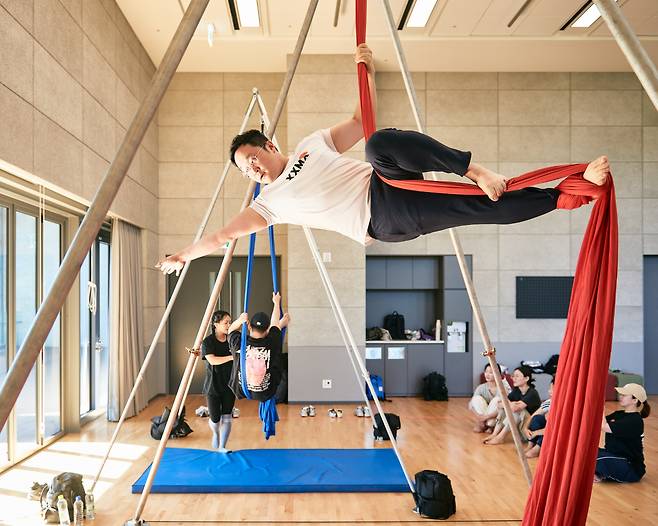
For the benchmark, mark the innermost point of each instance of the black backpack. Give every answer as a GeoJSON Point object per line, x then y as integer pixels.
{"type": "Point", "coordinates": [434, 387]}
{"type": "Point", "coordinates": [394, 323]}
{"type": "Point", "coordinates": [379, 431]}
{"type": "Point", "coordinates": [67, 484]}
{"type": "Point", "coordinates": [434, 496]}
{"type": "Point", "coordinates": [551, 365]}
{"type": "Point", "coordinates": [180, 430]}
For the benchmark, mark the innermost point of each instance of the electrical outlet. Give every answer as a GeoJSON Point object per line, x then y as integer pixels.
{"type": "Point", "coordinates": [326, 383]}
{"type": "Point", "coordinates": [326, 257]}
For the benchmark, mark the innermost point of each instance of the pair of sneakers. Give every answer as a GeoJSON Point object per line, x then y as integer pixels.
{"type": "Point", "coordinates": [307, 410]}
{"type": "Point", "coordinates": [362, 411]}
{"type": "Point", "coordinates": [335, 413]}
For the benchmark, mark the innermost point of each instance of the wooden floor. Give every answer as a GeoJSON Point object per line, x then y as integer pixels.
{"type": "Point", "coordinates": [487, 480]}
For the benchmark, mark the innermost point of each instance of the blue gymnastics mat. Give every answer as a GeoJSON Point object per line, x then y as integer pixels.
{"type": "Point", "coordinates": [276, 471]}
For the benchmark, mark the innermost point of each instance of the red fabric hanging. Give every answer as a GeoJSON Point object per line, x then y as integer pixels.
{"type": "Point", "coordinates": [562, 484]}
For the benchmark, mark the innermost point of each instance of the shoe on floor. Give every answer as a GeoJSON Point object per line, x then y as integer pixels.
{"type": "Point", "coordinates": [311, 410]}
{"type": "Point", "coordinates": [304, 411]}
{"type": "Point", "coordinates": [235, 413]}
{"type": "Point", "coordinates": [358, 411]}
{"type": "Point", "coordinates": [339, 413]}
{"type": "Point", "coordinates": [366, 411]}
{"type": "Point", "coordinates": [332, 413]}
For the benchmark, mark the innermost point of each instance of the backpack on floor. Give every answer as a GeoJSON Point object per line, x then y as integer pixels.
{"type": "Point", "coordinates": [434, 387]}
{"type": "Point", "coordinates": [394, 323]}
{"type": "Point", "coordinates": [434, 496]}
{"type": "Point", "coordinates": [550, 367]}
{"type": "Point", "coordinates": [180, 430]}
{"type": "Point", "coordinates": [379, 431]}
{"type": "Point", "coordinates": [378, 384]}
{"type": "Point", "coordinates": [67, 484]}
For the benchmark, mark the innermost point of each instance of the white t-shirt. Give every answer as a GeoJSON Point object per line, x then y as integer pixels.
{"type": "Point", "coordinates": [320, 188]}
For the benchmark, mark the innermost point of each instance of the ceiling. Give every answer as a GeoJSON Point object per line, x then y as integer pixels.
{"type": "Point", "coordinates": [461, 35]}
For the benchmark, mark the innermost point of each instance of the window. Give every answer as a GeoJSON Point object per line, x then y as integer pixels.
{"type": "Point", "coordinates": [95, 325]}
{"type": "Point", "coordinates": [31, 247]}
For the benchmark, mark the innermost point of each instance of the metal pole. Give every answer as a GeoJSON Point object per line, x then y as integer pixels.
{"type": "Point", "coordinates": [226, 261]}
{"type": "Point", "coordinates": [355, 351]}
{"type": "Point", "coordinates": [489, 351]}
{"type": "Point", "coordinates": [165, 316]}
{"type": "Point", "coordinates": [265, 117]}
{"type": "Point", "coordinates": [630, 45]}
{"type": "Point", "coordinates": [86, 234]}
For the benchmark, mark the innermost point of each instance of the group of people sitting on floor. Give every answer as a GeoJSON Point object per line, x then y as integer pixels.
{"type": "Point", "coordinates": [622, 458]}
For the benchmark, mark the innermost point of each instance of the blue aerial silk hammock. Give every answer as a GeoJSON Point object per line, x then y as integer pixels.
{"type": "Point", "coordinates": [266, 410]}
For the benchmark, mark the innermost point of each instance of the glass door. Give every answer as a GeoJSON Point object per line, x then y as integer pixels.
{"type": "Point", "coordinates": [95, 326]}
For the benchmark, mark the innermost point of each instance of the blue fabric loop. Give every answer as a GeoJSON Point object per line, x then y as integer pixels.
{"type": "Point", "coordinates": [266, 410]}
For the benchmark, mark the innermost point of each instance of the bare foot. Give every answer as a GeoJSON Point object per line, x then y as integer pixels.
{"type": "Point", "coordinates": [533, 452]}
{"type": "Point", "coordinates": [493, 184]}
{"type": "Point", "coordinates": [597, 171]}
{"type": "Point", "coordinates": [478, 428]}
{"type": "Point", "coordinates": [493, 441]}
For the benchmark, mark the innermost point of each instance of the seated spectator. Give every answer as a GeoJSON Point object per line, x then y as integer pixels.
{"type": "Point", "coordinates": [534, 432]}
{"type": "Point", "coordinates": [622, 459]}
{"type": "Point", "coordinates": [484, 403]}
{"type": "Point", "coordinates": [524, 400]}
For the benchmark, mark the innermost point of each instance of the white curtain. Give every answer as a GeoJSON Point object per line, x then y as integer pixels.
{"type": "Point", "coordinates": [126, 340]}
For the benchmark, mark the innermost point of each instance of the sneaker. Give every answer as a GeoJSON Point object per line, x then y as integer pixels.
{"type": "Point", "coordinates": [366, 411]}
{"type": "Point", "coordinates": [202, 411]}
{"type": "Point", "coordinates": [339, 413]}
{"type": "Point", "coordinates": [311, 410]}
{"type": "Point", "coordinates": [304, 411]}
{"type": "Point", "coordinates": [235, 413]}
{"type": "Point", "coordinates": [36, 491]}
{"type": "Point", "coordinates": [332, 413]}
{"type": "Point", "coordinates": [358, 411]}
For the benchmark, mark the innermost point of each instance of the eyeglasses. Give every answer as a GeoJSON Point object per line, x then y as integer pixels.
{"type": "Point", "coordinates": [250, 162]}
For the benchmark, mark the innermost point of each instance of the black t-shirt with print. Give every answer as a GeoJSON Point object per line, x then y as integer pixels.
{"type": "Point", "coordinates": [531, 398]}
{"type": "Point", "coordinates": [217, 376]}
{"type": "Point", "coordinates": [263, 358]}
{"type": "Point", "coordinates": [626, 438]}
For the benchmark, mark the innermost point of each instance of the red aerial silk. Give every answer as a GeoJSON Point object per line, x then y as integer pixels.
{"type": "Point", "coordinates": [562, 485]}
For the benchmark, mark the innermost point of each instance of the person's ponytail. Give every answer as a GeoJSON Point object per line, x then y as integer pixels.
{"type": "Point", "coordinates": [646, 409]}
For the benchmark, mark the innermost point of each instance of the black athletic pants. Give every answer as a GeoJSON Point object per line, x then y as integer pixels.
{"type": "Point", "coordinates": [219, 405]}
{"type": "Point", "coordinates": [400, 215]}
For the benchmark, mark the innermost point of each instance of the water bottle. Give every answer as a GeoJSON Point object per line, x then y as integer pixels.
{"type": "Point", "coordinates": [63, 511]}
{"type": "Point", "coordinates": [78, 511]}
{"type": "Point", "coordinates": [89, 505]}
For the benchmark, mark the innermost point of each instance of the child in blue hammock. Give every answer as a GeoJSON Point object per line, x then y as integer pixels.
{"type": "Point", "coordinates": [263, 351]}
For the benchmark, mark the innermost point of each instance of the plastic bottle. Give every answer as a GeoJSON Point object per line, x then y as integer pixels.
{"type": "Point", "coordinates": [63, 511]}
{"type": "Point", "coordinates": [89, 506]}
{"type": "Point", "coordinates": [78, 511]}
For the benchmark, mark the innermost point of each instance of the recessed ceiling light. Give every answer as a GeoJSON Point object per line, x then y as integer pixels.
{"type": "Point", "coordinates": [587, 16]}
{"type": "Point", "coordinates": [248, 10]}
{"type": "Point", "coordinates": [211, 34]}
{"type": "Point", "coordinates": [420, 13]}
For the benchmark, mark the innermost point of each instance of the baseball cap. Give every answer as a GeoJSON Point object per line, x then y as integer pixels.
{"type": "Point", "coordinates": [635, 390]}
{"type": "Point", "coordinates": [260, 321]}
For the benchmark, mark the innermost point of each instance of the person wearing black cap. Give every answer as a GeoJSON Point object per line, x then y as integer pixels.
{"type": "Point", "coordinates": [622, 459]}
{"type": "Point", "coordinates": [263, 350]}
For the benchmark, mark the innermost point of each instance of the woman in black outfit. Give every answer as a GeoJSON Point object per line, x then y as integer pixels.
{"type": "Point", "coordinates": [622, 460]}
{"type": "Point", "coordinates": [524, 400]}
{"type": "Point", "coordinates": [219, 363]}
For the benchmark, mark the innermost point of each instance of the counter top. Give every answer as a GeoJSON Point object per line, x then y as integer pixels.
{"type": "Point", "coordinates": [413, 342]}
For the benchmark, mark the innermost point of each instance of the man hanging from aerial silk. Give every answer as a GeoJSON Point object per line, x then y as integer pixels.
{"type": "Point", "coordinates": [320, 187]}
